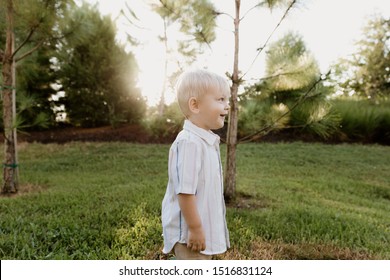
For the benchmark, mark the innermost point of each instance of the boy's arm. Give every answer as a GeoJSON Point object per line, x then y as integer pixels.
{"type": "Point", "coordinates": [196, 238]}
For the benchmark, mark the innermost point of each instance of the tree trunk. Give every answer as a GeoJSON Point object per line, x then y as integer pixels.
{"type": "Point", "coordinates": [161, 105]}
{"type": "Point", "coordinates": [14, 130]}
{"type": "Point", "coordinates": [231, 141]}
{"type": "Point", "coordinates": [10, 184]}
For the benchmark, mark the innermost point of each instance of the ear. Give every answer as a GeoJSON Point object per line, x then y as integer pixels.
{"type": "Point", "coordinates": [193, 105]}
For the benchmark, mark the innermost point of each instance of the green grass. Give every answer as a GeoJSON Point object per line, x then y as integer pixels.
{"type": "Point", "coordinates": [295, 201]}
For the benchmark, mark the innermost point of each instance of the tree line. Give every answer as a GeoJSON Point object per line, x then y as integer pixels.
{"type": "Point", "coordinates": [80, 73]}
{"type": "Point", "coordinates": [68, 67]}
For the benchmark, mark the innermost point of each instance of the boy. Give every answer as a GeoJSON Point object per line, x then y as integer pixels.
{"type": "Point", "coordinates": [193, 208]}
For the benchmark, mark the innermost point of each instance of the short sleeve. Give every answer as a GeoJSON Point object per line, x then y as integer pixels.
{"type": "Point", "coordinates": [188, 163]}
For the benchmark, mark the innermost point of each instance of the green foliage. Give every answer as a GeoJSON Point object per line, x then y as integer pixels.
{"type": "Point", "coordinates": [319, 119]}
{"type": "Point", "coordinates": [37, 16]}
{"type": "Point", "coordinates": [366, 73]}
{"type": "Point", "coordinates": [286, 98]}
{"type": "Point", "coordinates": [335, 119]}
{"type": "Point", "coordinates": [364, 120]}
{"type": "Point", "coordinates": [255, 115]}
{"type": "Point", "coordinates": [196, 18]}
{"type": "Point", "coordinates": [34, 89]}
{"type": "Point", "coordinates": [196, 21]}
{"type": "Point", "coordinates": [169, 124]}
{"type": "Point", "coordinates": [274, 3]}
{"type": "Point", "coordinates": [289, 65]}
{"type": "Point", "coordinates": [103, 200]}
{"type": "Point", "coordinates": [33, 92]}
{"type": "Point", "coordinates": [99, 79]}
{"type": "Point", "coordinates": [35, 38]}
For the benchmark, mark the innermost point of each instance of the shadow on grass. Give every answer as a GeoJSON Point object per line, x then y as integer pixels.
{"type": "Point", "coordinates": [243, 200]}
{"type": "Point", "coordinates": [25, 189]}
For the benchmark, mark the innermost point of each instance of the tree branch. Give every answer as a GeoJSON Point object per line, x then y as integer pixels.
{"type": "Point", "coordinates": [204, 39]}
{"type": "Point", "coordinates": [188, 25]}
{"type": "Point", "coordinates": [254, 7]}
{"type": "Point", "coordinates": [130, 21]}
{"type": "Point", "coordinates": [216, 13]}
{"type": "Point", "coordinates": [168, 8]}
{"type": "Point", "coordinates": [259, 50]}
{"type": "Point", "coordinates": [275, 76]}
{"type": "Point", "coordinates": [29, 52]}
{"type": "Point", "coordinates": [32, 30]}
{"type": "Point", "coordinates": [268, 128]}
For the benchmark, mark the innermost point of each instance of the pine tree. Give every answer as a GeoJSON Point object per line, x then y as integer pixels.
{"type": "Point", "coordinates": [282, 98]}
{"type": "Point", "coordinates": [366, 74]}
{"type": "Point", "coordinates": [97, 75]}
{"type": "Point", "coordinates": [22, 20]}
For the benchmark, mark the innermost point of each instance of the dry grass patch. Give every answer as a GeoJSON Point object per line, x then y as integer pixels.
{"type": "Point", "coordinates": [261, 250]}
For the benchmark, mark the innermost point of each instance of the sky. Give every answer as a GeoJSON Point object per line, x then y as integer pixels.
{"type": "Point", "coordinates": [329, 28]}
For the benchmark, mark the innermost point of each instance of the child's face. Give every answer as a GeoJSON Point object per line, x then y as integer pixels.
{"type": "Point", "coordinates": [213, 109]}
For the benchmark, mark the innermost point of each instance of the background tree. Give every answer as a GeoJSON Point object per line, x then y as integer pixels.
{"type": "Point", "coordinates": [35, 78]}
{"type": "Point", "coordinates": [291, 71]}
{"type": "Point", "coordinates": [366, 74]}
{"type": "Point", "coordinates": [96, 74]}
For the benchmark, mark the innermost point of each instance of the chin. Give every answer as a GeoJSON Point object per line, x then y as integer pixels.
{"type": "Point", "coordinates": [219, 126]}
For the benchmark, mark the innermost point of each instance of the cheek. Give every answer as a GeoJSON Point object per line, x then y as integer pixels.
{"type": "Point", "coordinates": [213, 108]}
{"type": "Point", "coordinates": [216, 109]}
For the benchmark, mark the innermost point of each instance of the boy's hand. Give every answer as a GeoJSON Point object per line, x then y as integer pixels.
{"type": "Point", "coordinates": [196, 240]}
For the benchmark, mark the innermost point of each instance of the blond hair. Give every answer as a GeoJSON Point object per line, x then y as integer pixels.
{"type": "Point", "coordinates": [197, 83]}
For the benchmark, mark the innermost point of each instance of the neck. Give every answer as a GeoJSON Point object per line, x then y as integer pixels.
{"type": "Point", "coordinates": [196, 122]}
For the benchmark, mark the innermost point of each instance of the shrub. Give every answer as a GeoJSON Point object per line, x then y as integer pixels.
{"type": "Point", "coordinates": [364, 120]}
{"type": "Point", "coordinates": [167, 125]}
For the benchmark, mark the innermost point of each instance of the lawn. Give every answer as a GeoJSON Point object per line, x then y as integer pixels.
{"type": "Point", "coordinates": [294, 201]}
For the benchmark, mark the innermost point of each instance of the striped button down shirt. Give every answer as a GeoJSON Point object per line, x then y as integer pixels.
{"type": "Point", "coordinates": [195, 167]}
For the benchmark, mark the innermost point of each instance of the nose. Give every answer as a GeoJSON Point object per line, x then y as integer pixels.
{"type": "Point", "coordinates": [227, 107]}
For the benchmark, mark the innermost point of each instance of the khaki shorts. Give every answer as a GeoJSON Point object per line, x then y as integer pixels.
{"type": "Point", "coordinates": [183, 253]}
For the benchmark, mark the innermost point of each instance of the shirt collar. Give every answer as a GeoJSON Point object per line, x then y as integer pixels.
{"type": "Point", "coordinates": [210, 137]}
